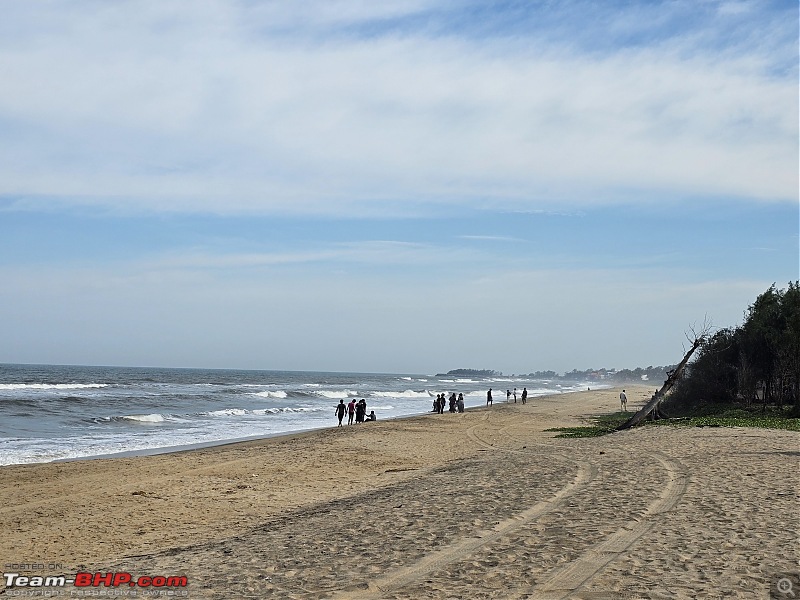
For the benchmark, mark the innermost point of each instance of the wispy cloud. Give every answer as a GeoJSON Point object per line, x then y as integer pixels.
{"type": "Point", "coordinates": [368, 252]}
{"type": "Point", "coordinates": [353, 107]}
{"type": "Point", "coordinates": [490, 238]}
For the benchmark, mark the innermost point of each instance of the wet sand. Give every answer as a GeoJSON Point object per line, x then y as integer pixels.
{"type": "Point", "coordinates": [485, 504]}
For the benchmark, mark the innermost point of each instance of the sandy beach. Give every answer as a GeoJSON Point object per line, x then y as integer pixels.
{"type": "Point", "coordinates": [484, 504]}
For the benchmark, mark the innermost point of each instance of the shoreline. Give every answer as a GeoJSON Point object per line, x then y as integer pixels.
{"type": "Point", "coordinates": [484, 504]}
{"type": "Point", "coordinates": [212, 444]}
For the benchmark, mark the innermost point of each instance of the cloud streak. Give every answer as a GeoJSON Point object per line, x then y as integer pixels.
{"type": "Point", "coordinates": [368, 109]}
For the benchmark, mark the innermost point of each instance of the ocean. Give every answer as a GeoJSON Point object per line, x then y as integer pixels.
{"type": "Point", "coordinates": [51, 412]}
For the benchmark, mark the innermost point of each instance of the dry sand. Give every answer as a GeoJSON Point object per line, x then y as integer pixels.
{"type": "Point", "coordinates": [480, 505]}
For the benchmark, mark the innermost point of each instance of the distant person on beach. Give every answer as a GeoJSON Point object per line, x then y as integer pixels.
{"type": "Point", "coordinates": [453, 402]}
{"type": "Point", "coordinates": [351, 411]}
{"type": "Point", "coordinates": [623, 401]}
{"type": "Point", "coordinates": [460, 402]}
{"type": "Point", "coordinates": [340, 411]}
{"type": "Point", "coordinates": [524, 394]}
{"type": "Point", "coordinates": [515, 395]}
{"type": "Point", "coordinates": [508, 396]}
{"type": "Point", "coordinates": [372, 416]}
{"type": "Point", "coordinates": [442, 400]}
{"type": "Point", "coordinates": [489, 397]}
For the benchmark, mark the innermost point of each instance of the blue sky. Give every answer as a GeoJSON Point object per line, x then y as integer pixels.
{"type": "Point", "coordinates": [403, 186]}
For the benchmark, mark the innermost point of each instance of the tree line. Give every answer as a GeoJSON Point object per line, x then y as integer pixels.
{"type": "Point", "coordinates": [639, 374]}
{"type": "Point", "coordinates": [756, 363]}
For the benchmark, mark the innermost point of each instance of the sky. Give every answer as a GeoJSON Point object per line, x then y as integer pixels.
{"type": "Point", "coordinates": [404, 186]}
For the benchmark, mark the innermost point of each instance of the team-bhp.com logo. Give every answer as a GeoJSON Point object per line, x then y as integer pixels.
{"type": "Point", "coordinates": [85, 580]}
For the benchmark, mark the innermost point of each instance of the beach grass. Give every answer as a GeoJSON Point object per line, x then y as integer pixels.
{"type": "Point", "coordinates": [601, 425]}
{"type": "Point", "coordinates": [707, 416]}
{"type": "Point", "coordinates": [727, 416]}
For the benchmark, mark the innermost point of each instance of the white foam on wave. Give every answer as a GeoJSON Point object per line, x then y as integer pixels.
{"type": "Point", "coordinates": [152, 418]}
{"type": "Point", "coordinates": [404, 394]}
{"type": "Point", "coordinates": [279, 394]}
{"type": "Point", "coordinates": [225, 412]}
{"type": "Point", "coordinates": [336, 394]}
{"type": "Point", "coordinates": [543, 392]}
{"type": "Point", "coordinates": [51, 386]}
{"type": "Point", "coordinates": [289, 410]}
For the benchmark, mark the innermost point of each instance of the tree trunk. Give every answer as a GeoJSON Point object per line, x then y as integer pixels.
{"type": "Point", "coordinates": [651, 408]}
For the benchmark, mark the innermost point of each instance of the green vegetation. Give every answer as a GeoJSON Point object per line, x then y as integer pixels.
{"type": "Point", "coordinates": [727, 416]}
{"type": "Point", "coordinates": [639, 374]}
{"type": "Point", "coordinates": [471, 373]}
{"type": "Point", "coordinates": [754, 365]}
{"type": "Point", "coordinates": [603, 424]}
{"type": "Point", "coordinates": [708, 416]}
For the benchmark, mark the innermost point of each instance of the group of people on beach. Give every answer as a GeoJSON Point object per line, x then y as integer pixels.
{"type": "Point", "coordinates": [355, 410]}
{"type": "Point", "coordinates": [456, 403]}
{"type": "Point", "coordinates": [489, 399]}
{"type": "Point", "coordinates": [524, 396]}
{"type": "Point", "coordinates": [358, 409]}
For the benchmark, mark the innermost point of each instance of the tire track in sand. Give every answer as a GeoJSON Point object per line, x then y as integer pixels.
{"type": "Point", "coordinates": [406, 575]}
{"type": "Point", "coordinates": [504, 431]}
{"type": "Point", "coordinates": [566, 580]}
{"type": "Point", "coordinates": [472, 435]}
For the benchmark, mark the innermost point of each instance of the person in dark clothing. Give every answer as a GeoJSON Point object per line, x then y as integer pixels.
{"type": "Point", "coordinates": [361, 410]}
{"type": "Point", "coordinates": [340, 411]}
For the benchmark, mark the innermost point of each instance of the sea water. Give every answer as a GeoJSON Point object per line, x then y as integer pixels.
{"type": "Point", "coordinates": [50, 412]}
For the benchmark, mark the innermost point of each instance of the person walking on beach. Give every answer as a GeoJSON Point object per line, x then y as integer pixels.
{"type": "Point", "coordinates": [508, 396]}
{"type": "Point", "coordinates": [524, 394]}
{"type": "Point", "coordinates": [351, 411]}
{"type": "Point", "coordinates": [460, 402]}
{"type": "Point", "coordinates": [623, 401]}
{"type": "Point", "coordinates": [489, 397]}
{"type": "Point", "coordinates": [515, 395]}
{"type": "Point", "coordinates": [340, 411]}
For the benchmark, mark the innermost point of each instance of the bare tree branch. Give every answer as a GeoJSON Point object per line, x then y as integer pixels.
{"type": "Point", "coordinates": [696, 340]}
